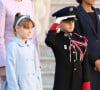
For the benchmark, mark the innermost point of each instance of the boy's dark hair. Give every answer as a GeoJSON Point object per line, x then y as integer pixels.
{"type": "Point", "coordinates": [79, 1]}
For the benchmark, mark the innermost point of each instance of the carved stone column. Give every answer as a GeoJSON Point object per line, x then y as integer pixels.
{"type": "Point", "coordinates": [42, 12]}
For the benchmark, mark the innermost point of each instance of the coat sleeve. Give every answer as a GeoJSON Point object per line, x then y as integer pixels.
{"type": "Point", "coordinates": [2, 31]}
{"type": "Point", "coordinates": [85, 69]}
{"type": "Point", "coordinates": [51, 38]}
{"type": "Point", "coordinates": [11, 68]}
{"type": "Point", "coordinates": [92, 59]}
{"type": "Point", "coordinates": [38, 70]}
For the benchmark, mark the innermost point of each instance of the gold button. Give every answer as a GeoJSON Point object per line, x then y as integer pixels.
{"type": "Point", "coordinates": [75, 69]}
{"type": "Point", "coordinates": [97, 40]}
{"type": "Point", "coordinates": [74, 60]}
{"type": "Point", "coordinates": [26, 59]}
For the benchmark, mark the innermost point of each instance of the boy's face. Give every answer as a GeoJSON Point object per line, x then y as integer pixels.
{"type": "Point", "coordinates": [67, 26]}
{"type": "Point", "coordinates": [89, 2]}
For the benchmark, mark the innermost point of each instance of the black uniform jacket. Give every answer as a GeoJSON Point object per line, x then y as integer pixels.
{"type": "Point", "coordinates": [69, 74]}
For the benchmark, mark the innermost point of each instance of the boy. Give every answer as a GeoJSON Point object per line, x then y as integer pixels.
{"type": "Point", "coordinates": [70, 52]}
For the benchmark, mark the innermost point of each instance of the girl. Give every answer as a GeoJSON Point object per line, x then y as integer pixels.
{"type": "Point", "coordinates": [70, 52]}
{"type": "Point", "coordinates": [22, 66]}
{"type": "Point", "coordinates": [7, 14]}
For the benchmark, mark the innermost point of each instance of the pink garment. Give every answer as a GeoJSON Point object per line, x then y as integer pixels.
{"type": "Point", "coordinates": [8, 9]}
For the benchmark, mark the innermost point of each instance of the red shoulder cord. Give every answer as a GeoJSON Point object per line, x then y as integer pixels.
{"type": "Point", "coordinates": [77, 44]}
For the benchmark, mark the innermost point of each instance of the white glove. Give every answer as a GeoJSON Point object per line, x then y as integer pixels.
{"type": "Point", "coordinates": [55, 25]}
{"type": "Point", "coordinates": [59, 19]}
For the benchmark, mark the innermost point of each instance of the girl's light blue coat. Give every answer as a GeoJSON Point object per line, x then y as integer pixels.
{"type": "Point", "coordinates": [22, 67]}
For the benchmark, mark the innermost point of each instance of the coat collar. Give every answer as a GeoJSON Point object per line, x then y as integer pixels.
{"type": "Point", "coordinates": [88, 20]}
{"type": "Point", "coordinates": [20, 43]}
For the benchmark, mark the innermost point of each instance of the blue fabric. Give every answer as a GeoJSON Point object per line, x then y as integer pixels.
{"type": "Point", "coordinates": [22, 67]}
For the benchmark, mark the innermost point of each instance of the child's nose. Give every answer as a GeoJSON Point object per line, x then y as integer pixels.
{"type": "Point", "coordinates": [30, 31]}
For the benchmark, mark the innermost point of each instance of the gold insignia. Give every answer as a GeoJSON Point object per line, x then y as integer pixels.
{"type": "Point", "coordinates": [99, 16]}
{"type": "Point", "coordinates": [71, 9]}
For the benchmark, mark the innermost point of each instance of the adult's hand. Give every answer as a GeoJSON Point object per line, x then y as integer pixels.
{"type": "Point", "coordinates": [2, 73]}
{"type": "Point", "coordinates": [55, 25]}
{"type": "Point", "coordinates": [97, 65]}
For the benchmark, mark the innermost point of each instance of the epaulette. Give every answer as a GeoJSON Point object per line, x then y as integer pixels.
{"type": "Point", "coordinates": [83, 37]}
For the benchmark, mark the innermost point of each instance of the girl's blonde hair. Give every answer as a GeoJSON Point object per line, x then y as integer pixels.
{"type": "Point", "coordinates": [22, 20]}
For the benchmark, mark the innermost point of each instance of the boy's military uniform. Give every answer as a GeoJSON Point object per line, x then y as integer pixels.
{"type": "Point", "coordinates": [71, 71]}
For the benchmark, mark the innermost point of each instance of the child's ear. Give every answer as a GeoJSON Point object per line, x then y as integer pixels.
{"type": "Point", "coordinates": [17, 28]}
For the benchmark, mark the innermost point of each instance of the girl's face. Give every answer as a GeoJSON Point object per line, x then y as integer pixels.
{"type": "Point", "coordinates": [23, 33]}
{"type": "Point", "coordinates": [89, 2]}
{"type": "Point", "coordinates": [67, 26]}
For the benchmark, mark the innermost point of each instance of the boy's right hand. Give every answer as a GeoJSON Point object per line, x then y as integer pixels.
{"type": "Point", "coordinates": [59, 19]}
{"type": "Point", "coordinates": [2, 73]}
{"type": "Point", "coordinates": [55, 26]}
